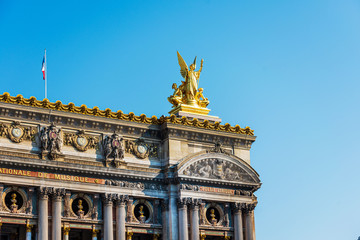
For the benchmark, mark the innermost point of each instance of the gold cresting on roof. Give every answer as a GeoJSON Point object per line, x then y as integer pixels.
{"type": "Point", "coordinates": [95, 111]}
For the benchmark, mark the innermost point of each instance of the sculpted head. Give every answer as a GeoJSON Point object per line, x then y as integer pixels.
{"type": "Point", "coordinates": [174, 86]}
{"type": "Point", "coordinates": [192, 67]}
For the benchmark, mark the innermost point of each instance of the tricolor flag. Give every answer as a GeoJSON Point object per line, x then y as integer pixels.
{"type": "Point", "coordinates": [43, 68]}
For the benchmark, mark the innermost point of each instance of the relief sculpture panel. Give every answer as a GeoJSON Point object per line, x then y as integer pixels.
{"type": "Point", "coordinates": [215, 168]}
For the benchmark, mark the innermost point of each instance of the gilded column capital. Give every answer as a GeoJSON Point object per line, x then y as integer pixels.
{"type": "Point", "coordinates": [66, 230]}
{"type": "Point", "coordinates": [28, 227]}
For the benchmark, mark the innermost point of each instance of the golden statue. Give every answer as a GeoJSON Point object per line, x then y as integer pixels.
{"type": "Point", "coordinates": [187, 94]}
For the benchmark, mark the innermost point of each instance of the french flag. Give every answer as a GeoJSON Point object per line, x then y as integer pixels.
{"type": "Point", "coordinates": [43, 68]}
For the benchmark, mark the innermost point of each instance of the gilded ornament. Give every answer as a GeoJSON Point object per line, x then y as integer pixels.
{"type": "Point", "coordinates": [33, 102]}
{"type": "Point", "coordinates": [188, 97]}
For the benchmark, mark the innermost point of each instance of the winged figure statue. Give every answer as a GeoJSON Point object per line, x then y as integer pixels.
{"type": "Point", "coordinates": [188, 92]}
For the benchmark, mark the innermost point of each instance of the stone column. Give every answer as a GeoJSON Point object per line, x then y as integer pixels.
{"type": "Point", "coordinates": [183, 225]}
{"type": "Point", "coordinates": [194, 211]}
{"type": "Point", "coordinates": [120, 216]}
{"type": "Point", "coordinates": [164, 218]}
{"type": "Point", "coordinates": [238, 224]}
{"type": "Point", "coordinates": [43, 226]}
{"type": "Point", "coordinates": [173, 225]}
{"type": "Point", "coordinates": [249, 220]}
{"type": "Point", "coordinates": [108, 217]}
{"type": "Point", "coordinates": [56, 212]}
{"type": "Point", "coordinates": [66, 233]}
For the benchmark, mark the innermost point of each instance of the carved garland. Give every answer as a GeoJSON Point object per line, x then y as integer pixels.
{"type": "Point", "coordinates": [32, 101]}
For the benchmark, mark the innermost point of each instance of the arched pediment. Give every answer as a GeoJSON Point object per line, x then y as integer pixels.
{"type": "Point", "coordinates": [217, 167]}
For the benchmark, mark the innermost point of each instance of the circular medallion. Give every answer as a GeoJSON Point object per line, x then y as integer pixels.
{"type": "Point", "coordinates": [16, 132]}
{"type": "Point", "coordinates": [52, 135]}
{"type": "Point", "coordinates": [82, 141]}
{"type": "Point", "coordinates": [142, 148]}
{"type": "Point", "coordinates": [116, 143]}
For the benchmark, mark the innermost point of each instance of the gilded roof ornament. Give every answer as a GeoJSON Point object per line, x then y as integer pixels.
{"type": "Point", "coordinates": [95, 111]}
{"type": "Point", "coordinates": [188, 97]}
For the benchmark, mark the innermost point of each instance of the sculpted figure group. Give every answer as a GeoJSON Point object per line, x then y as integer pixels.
{"type": "Point", "coordinates": [188, 92]}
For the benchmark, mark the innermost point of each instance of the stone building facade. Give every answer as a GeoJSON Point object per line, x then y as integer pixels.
{"type": "Point", "coordinates": [71, 172]}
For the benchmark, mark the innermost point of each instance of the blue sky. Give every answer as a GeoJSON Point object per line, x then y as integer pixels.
{"type": "Point", "coordinates": [288, 69]}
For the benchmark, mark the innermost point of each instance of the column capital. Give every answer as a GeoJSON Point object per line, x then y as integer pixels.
{"type": "Point", "coordinates": [195, 203]}
{"type": "Point", "coordinates": [66, 230]}
{"type": "Point", "coordinates": [238, 206]}
{"type": "Point", "coordinates": [58, 193]}
{"type": "Point", "coordinates": [44, 192]}
{"type": "Point", "coordinates": [183, 202]}
{"type": "Point", "coordinates": [249, 207]}
{"type": "Point", "coordinates": [108, 198]}
{"type": "Point", "coordinates": [121, 200]}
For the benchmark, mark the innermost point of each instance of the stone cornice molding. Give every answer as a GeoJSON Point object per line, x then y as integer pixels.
{"type": "Point", "coordinates": [119, 115]}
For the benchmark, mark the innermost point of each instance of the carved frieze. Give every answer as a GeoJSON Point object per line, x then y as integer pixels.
{"type": "Point", "coordinates": [51, 141]}
{"type": "Point", "coordinates": [126, 184]}
{"type": "Point", "coordinates": [17, 133]}
{"type": "Point", "coordinates": [141, 149]}
{"type": "Point", "coordinates": [80, 141]}
{"type": "Point", "coordinates": [215, 168]}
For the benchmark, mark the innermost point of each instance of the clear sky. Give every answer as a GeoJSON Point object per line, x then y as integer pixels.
{"type": "Point", "coordinates": [288, 69]}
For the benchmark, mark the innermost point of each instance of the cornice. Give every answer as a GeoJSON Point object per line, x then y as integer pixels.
{"type": "Point", "coordinates": [119, 115]}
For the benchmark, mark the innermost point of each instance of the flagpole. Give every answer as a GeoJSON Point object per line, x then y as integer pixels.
{"type": "Point", "coordinates": [45, 75]}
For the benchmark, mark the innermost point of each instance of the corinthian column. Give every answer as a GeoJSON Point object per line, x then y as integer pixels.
{"type": "Point", "coordinates": [108, 217]}
{"type": "Point", "coordinates": [238, 224]}
{"type": "Point", "coordinates": [43, 213]}
{"type": "Point", "coordinates": [249, 220]}
{"type": "Point", "coordinates": [194, 211]}
{"type": "Point", "coordinates": [120, 216]}
{"type": "Point", "coordinates": [56, 212]}
{"type": "Point", "coordinates": [183, 225]}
